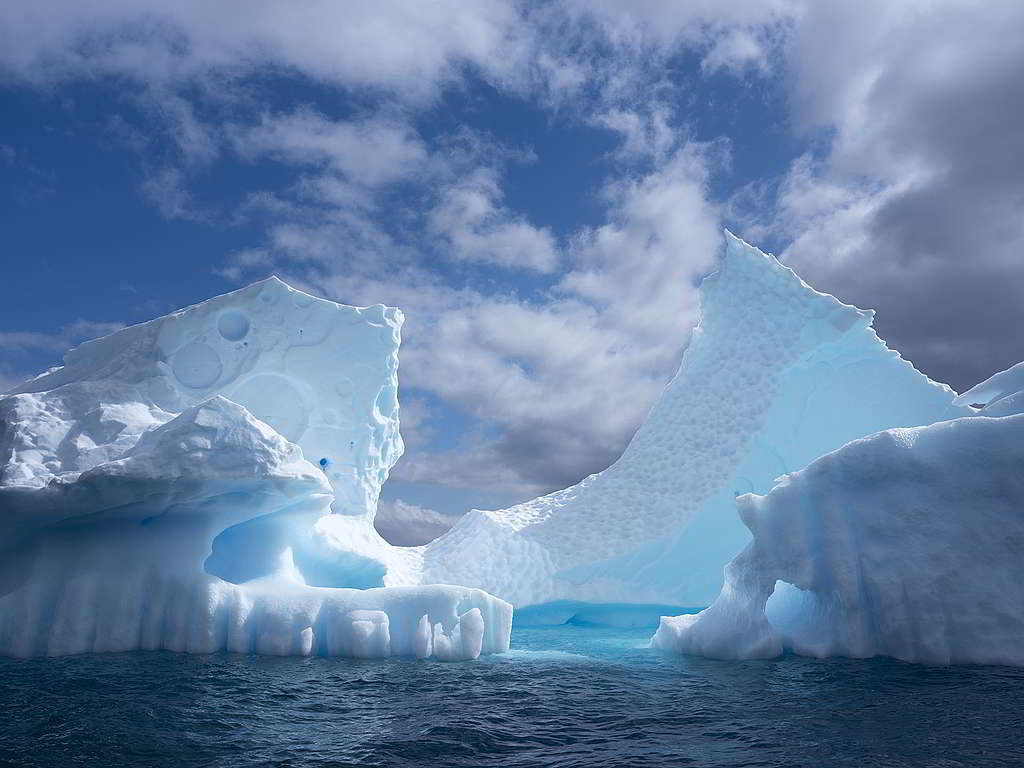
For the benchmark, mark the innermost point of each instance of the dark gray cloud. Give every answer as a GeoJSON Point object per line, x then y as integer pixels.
{"type": "Point", "coordinates": [927, 111]}
{"type": "Point", "coordinates": [408, 525]}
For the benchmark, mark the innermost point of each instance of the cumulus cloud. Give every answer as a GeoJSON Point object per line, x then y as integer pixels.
{"type": "Point", "coordinates": [370, 152]}
{"type": "Point", "coordinates": [736, 50]}
{"type": "Point", "coordinates": [557, 381]}
{"type": "Point", "coordinates": [647, 133]}
{"type": "Point", "coordinates": [566, 380]}
{"type": "Point", "coordinates": [904, 196]}
{"type": "Point", "coordinates": [408, 50]}
{"type": "Point", "coordinates": [473, 225]}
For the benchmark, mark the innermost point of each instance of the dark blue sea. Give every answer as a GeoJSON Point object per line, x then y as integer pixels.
{"type": "Point", "coordinates": [565, 696]}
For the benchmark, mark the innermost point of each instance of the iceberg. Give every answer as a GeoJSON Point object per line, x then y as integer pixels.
{"type": "Point", "coordinates": [906, 543]}
{"type": "Point", "coordinates": [207, 481]}
{"type": "Point", "coordinates": [999, 395]}
{"type": "Point", "coordinates": [775, 375]}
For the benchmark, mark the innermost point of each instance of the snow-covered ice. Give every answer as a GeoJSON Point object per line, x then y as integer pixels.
{"type": "Point", "coordinates": [775, 375]}
{"type": "Point", "coordinates": [208, 481]}
{"type": "Point", "coordinates": [906, 543]}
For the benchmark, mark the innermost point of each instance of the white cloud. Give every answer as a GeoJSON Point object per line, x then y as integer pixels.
{"type": "Point", "coordinates": [907, 199]}
{"type": "Point", "coordinates": [733, 35]}
{"type": "Point", "coordinates": [646, 133]}
{"type": "Point", "coordinates": [246, 261]}
{"type": "Point", "coordinates": [68, 336]}
{"type": "Point", "coordinates": [550, 52]}
{"type": "Point", "coordinates": [661, 235]}
{"type": "Point", "coordinates": [473, 225]}
{"type": "Point", "coordinates": [197, 142]}
{"type": "Point", "coordinates": [368, 152]}
{"type": "Point", "coordinates": [565, 381]}
{"type": "Point", "coordinates": [407, 49]}
{"type": "Point", "coordinates": [167, 190]}
{"type": "Point", "coordinates": [736, 50]}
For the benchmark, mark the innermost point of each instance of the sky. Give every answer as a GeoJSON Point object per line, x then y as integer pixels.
{"type": "Point", "coordinates": [539, 186]}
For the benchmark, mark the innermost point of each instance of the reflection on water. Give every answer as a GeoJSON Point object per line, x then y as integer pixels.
{"type": "Point", "coordinates": [564, 696]}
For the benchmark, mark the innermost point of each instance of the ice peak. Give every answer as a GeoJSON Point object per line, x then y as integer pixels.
{"type": "Point", "coordinates": [778, 374]}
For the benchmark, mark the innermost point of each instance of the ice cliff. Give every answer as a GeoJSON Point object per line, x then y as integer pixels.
{"type": "Point", "coordinates": [906, 543]}
{"type": "Point", "coordinates": [775, 375]}
{"type": "Point", "coordinates": [208, 481]}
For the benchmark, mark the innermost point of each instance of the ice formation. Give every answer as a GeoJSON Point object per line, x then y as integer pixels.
{"type": "Point", "coordinates": [208, 480]}
{"type": "Point", "coordinates": [775, 375]}
{"type": "Point", "coordinates": [906, 543]}
{"type": "Point", "coordinates": [1000, 395]}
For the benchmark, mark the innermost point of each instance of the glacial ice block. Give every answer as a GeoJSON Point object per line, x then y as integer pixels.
{"type": "Point", "coordinates": [775, 375]}
{"type": "Point", "coordinates": [1001, 394]}
{"type": "Point", "coordinates": [173, 486]}
{"type": "Point", "coordinates": [906, 543]}
{"type": "Point", "coordinates": [323, 375]}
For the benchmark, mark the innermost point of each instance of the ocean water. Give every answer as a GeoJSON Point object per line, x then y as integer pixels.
{"type": "Point", "coordinates": [563, 696]}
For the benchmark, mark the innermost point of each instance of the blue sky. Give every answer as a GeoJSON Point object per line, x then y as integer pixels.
{"type": "Point", "coordinates": [539, 186]}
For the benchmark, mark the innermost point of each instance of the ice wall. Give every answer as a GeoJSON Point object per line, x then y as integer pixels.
{"type": "Point", "coordinates": [775, 375]}
{"type": "Point", "coordinates": [207, 481]}
{"type": "Point", "coordinates": [906, 544]}
{"type": "Point", "coordinates": [323, 375]}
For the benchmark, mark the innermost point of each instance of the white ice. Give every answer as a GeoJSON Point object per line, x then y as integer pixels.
{"type": "Point", "coordinates": [1000, 395]}
{"type": "Point", "coordinates": [775, 375]}
{"type": "Point", "coordinates": [906, 543]}
{"type": "Point", "coordinates": [208, 481]}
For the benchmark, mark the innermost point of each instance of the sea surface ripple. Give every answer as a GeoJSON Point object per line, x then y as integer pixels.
{"type": "Point", "coordinates": [565, 696]}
